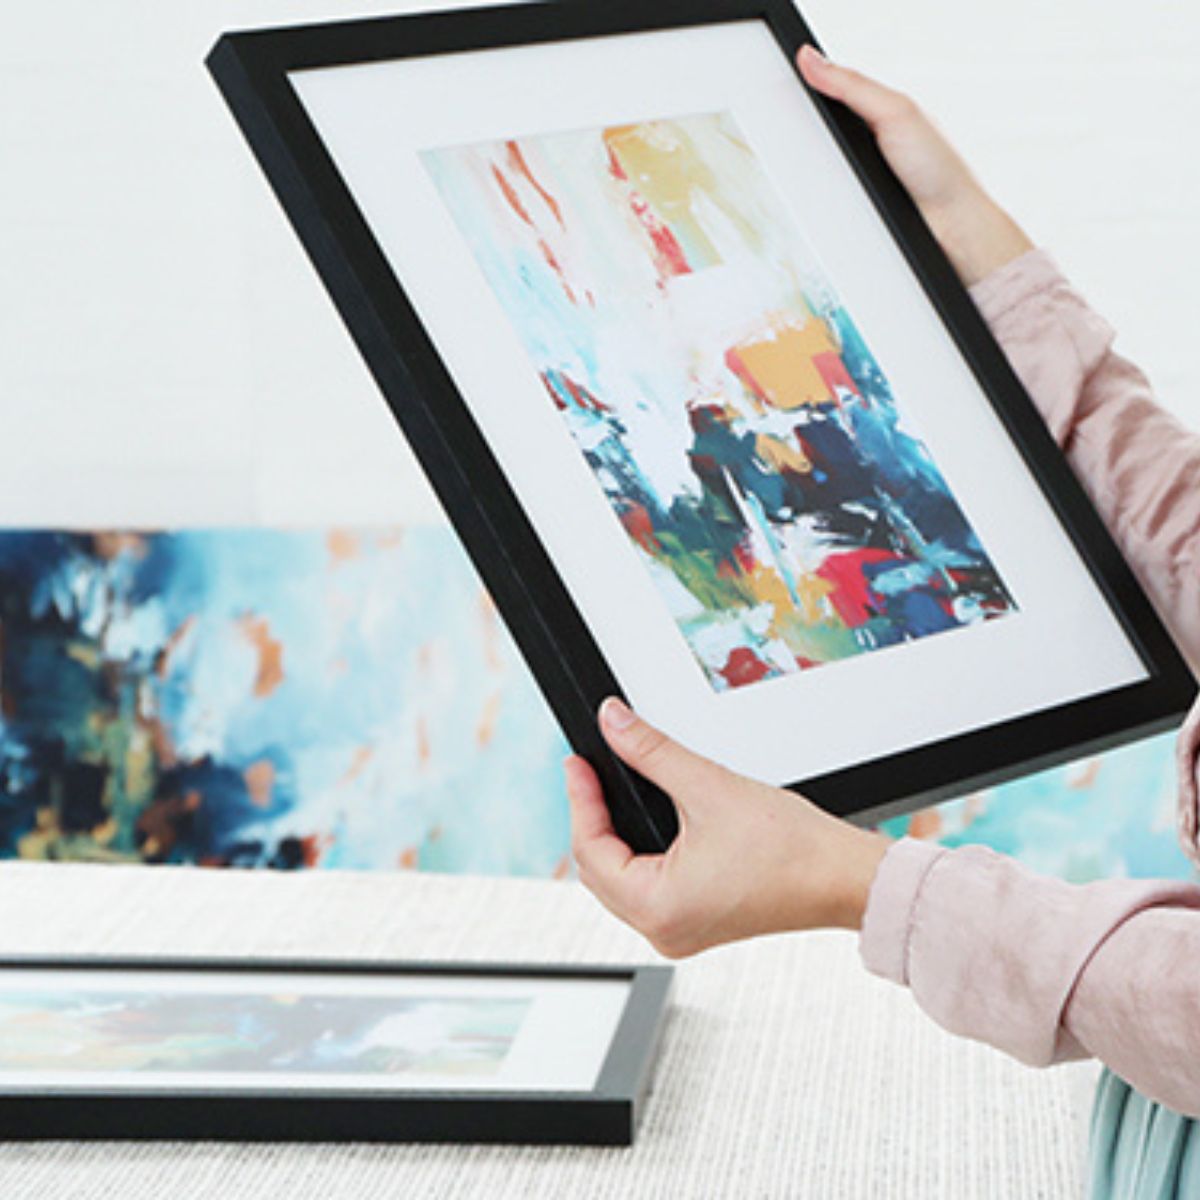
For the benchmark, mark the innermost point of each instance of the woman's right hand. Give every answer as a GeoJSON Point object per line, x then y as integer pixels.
{"type": "Point", "coordinates": [977, 235]}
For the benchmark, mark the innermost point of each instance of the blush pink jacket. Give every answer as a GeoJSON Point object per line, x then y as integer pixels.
{"type": "Point", "coordinates": [1045, 970]}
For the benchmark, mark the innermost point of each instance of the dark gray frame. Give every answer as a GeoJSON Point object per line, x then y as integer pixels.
{"type": "Point", "coordinates": [251, 69]}
{"type": "Point", "coordinates": [606, 1115]}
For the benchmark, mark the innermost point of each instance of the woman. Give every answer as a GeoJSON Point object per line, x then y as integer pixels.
{"type": "Point", "coordinates": [1044, 970]}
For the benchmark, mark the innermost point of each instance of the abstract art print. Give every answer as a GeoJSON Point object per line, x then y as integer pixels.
{"type": "Point", "coordinates": [198, 1033]}
{"type": "Point", "coordinates": [254, 697]}
{"type": "Point", "coordinates": [743, 433]}
{"type": "Point", "coordinates": [236, 1049]}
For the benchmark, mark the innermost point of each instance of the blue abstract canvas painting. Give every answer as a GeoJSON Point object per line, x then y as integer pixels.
{"type": "Point", "coordinates": [349, 698]}
{"type": "Point", "coordinates": [326, 698]}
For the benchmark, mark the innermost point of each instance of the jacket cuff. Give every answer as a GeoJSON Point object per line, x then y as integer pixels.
{"type": "Point", "coordinates": [891, 907]}
{"type": "Point", "coordinates": [1011, 285]}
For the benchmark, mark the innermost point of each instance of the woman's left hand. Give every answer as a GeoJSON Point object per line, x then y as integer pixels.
{"type": "Point", "coordinates": [750, 859]}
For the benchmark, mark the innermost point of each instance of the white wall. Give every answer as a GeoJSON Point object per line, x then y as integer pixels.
{"type": "Point", "coordinates": [168, 357]}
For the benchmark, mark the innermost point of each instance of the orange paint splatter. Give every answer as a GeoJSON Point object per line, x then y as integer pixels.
{"type": "Point", "coordinates": [362, 756]}
{"type": "Point", "coordinates": [110, 545]}
{"type": "Point", "coordinates": [485, 730]}
{"type": "Point", "coordinates": [312, 847]}
{"type": "Point", "coordinates": [172, 644]}
{"type": "Point", "coordinates": [407, 860]}
{"type": "Point", "coordinates": [260, 782]}
{"type": "Point", "coordinates": [343, 545]}
{"type": "Point", "coordinates": [270, 653]}
{"type": "Point", "coordinates": [424, 749]}
{"type": "Point", "coordinates": [1086, 777]}
{"type": "Point", "coordinates": [925, 824]}
{"type": "Point", "coordinates": [491, 632]}
{"type": "Point", "coordinates": [974, 807]}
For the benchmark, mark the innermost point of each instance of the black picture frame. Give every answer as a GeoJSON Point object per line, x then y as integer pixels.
{"type": "Point", "coordinates": [251, 70]}
{"type": "Point", "coordinates": [607, 1115]}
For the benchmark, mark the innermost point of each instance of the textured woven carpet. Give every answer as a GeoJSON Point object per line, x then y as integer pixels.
{"type": "Point", "coordinates": [786, 1070]}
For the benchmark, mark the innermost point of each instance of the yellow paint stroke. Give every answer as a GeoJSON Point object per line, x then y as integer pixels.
{"type": "Point", "coordinates": [766, 586]}
{"type": "Point", "coordinates": [663, 165]}
{"type": "Point", "coordinates": [780, 456]}
{"type": "Point", "coordinates": [82, 653]}
{"type": "Point", "coordinates": [811, 591]}
{"type": "Point", "coordinates": [776, 364]}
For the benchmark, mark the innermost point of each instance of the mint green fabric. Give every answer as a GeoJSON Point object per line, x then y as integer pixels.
{"type": "Point", "coordinates": [1138, 1149]}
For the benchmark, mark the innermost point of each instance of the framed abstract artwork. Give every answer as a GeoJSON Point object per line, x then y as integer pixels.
{"type": "Point", "coordinates": [707, 405]}
{"type": "Point", "coordinates": [239, 1050]}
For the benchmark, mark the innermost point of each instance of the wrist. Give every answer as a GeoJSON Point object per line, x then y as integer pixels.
{"type": "Point", "coordinates": [977, 235]}
{"type": "Point", "coordinates": [856, 865]}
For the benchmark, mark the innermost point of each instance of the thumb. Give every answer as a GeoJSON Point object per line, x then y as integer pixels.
{"type": "Point", "coordinates": [872, 101]}
{"type": "Point", "coordinates": [678, 771]}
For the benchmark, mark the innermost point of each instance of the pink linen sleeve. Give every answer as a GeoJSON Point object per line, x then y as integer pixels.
{"type": "Point", "coordinates": [1045, 970]}
{"type": "Point", "coordinates": [1138, 463]}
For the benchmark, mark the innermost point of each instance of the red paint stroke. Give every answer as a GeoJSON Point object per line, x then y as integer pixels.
{"type": "Point", "coordinates": [743, 666]}
{"type": "Point", "coordinates": [669, 258]}
{"type": "Point", "coordinates": [851, 597]}
{"type": "Point", "coordinates": [640, 526]}
{"type": "Point", "coordinates": [563, 388]}
{"type": "Point", "coordinates": [509, 193]}
{"type": "Point", "coordinates": [514, 202]}
{"type": "Point", "coordinates": [517, 161]}
{"type": "Point", "coordinates": [737, 365]}
{"type": "Point", "coordinates": [614, 165]}
{"type": "Point", "coordinates": [744, 553]}
{"type": "Point", "coordinates": [833, 371]}
{"type": "Point", "coordinates": [343, 545]}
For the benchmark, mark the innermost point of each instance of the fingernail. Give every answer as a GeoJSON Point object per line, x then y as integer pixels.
{"type": "Point", "coordinates": [616, 714]}
{"type": "Point", "coordinates": [815, 53]}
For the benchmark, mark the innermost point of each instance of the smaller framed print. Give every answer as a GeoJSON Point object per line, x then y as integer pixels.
{"type": "Point", "coordinates": [708, 406]}
{"type": "Point", "coordinates": [238, 1050]}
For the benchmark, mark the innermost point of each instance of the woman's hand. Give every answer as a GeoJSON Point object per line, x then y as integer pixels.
{"type": "Point", "coordinates": [977, 235]}
{"type": "Point", "coordinates": [749, 859]}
